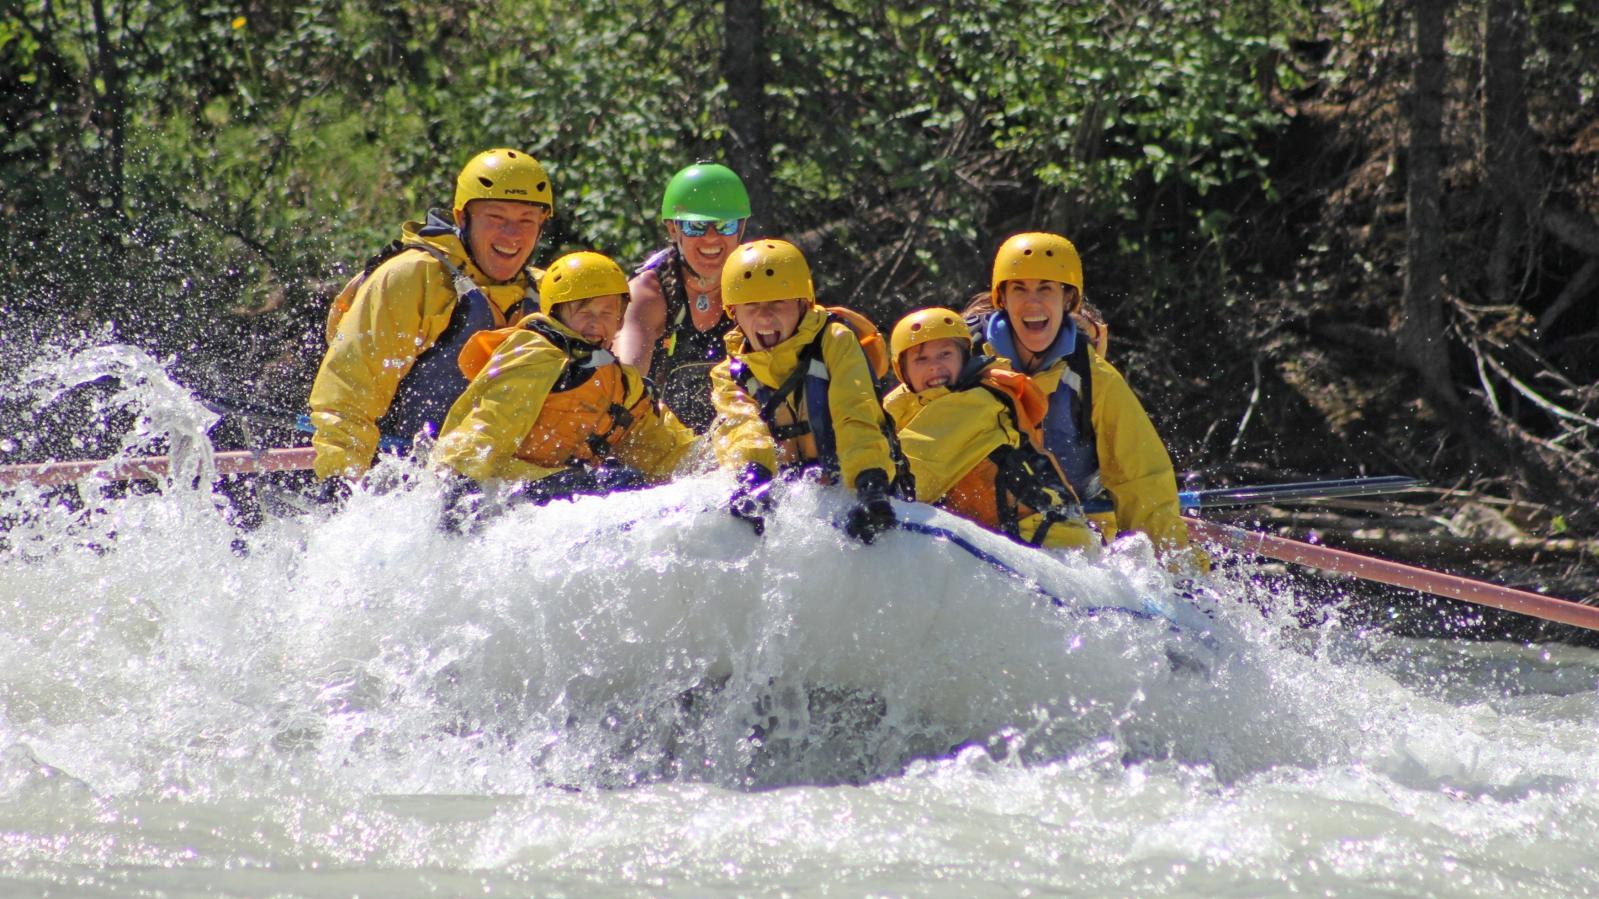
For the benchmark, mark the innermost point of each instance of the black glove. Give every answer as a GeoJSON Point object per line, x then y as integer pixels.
{"type": "Point", "coordinates": [333, 492]}
{"type": "Point", "coordinates": [463, 499]}
{"type": "Point", "coordinates": [578, 480]}
{"type": "Point", "coordinates": [753, 498]}
{"type": "Point", "coordinates": [612, 476]}
{"type": "Point", "coordinates": [873, 513]}
{"type": "Point", "coordinates": [569, 481]}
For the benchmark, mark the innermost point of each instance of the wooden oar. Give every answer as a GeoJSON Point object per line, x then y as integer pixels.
{"type": "Point", "coordinates": [1395, 574]}
{"type": "Point", "coordinates": [46, 474]}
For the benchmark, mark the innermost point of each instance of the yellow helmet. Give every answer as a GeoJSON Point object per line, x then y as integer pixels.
{"type": "Point", "coordinates": [580, 276]}
{"type": "Point", "coordinates": [765, 270]}
{"type": "Point", "coordinates": [1036, 254]}
{"type": "Point", "coordinates": [926, 326]}
{"type": "Point", "coordinates": [503, 175]}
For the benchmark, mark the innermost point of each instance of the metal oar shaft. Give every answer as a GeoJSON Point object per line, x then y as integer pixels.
{"type": "Point", "coordinates": [46, 474]}
{"type": "Point", "coordinates": [1395, 574]}
{"type": "Point", "coordinates": [1278, 493]}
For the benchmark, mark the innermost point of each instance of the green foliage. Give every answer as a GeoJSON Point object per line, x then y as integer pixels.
{"type": "Point", "coordinates": [284, 139]}
{"type": "Point", "coordinates": [178, 168]}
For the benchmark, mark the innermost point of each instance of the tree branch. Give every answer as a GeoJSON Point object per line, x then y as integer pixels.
{"type": "Point", "coordinates": [1583, 283]}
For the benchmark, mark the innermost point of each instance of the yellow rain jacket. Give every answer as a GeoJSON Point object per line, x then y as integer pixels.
{"type": "Point", "coordinates": [855, 420]}
{"type": "Point", "coordinates": [1134, 466]}
{"type": "Point", "coordinates": [399, 312]}
{"type": "Point", "coordinates": [529, 413]}
{"type": "Point", "coordinates": [948, 435]}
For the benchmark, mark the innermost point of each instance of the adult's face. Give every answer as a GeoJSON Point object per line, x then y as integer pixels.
{"type": "Point", "coordinates": [1036, 308]}
{"type": "Point", "coordinates": [706, 253]}
{"type": "Point", "coordinates": [501, 234]}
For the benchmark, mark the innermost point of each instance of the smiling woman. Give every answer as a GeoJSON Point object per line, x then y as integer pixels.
{"type": "Point", "coordinates": [675, 324]}
{"type": "Point", "coordinates": [1094, 426]}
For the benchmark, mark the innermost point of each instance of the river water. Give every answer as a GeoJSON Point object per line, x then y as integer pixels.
{"type": "Point", "coordinates": [636, 696]}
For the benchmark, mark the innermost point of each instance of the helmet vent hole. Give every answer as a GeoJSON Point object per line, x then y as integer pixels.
{"type": "Point", "coordinates": [770, 273]}
{"type": "Point", "coordinates": [1050, 253]}
{"type": "Point", "coordinates": [748, 275]}
{"type": "Point", "coordinates": [916, 326]}
{"type": "Point", "coordinates": [486, 182]}
{"type": "Point", "coordinates": [511, 154]}
{"type": "Point", "coordinates": [554, 279]}
{"type": "Point", "coordinates": [540, 186]}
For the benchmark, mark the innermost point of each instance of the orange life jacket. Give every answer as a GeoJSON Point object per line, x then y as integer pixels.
{"type": "Point", "coordinates": [1013, 483]}
{"type": "Point", "coordinates": [586, 412]}
{"type": "Point", "coordinates": [582, 423]}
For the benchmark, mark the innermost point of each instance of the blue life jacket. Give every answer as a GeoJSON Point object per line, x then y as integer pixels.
{"type": "Point", "coordinates": [811, 380]}
{"type": "Point", "coordinates": [426, 393]}
{"type": "Point", "coordinates": [1068, 426]}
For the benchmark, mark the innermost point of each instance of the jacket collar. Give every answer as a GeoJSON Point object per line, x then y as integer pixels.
{"type": "Point", "coordinates": [440, 233]}
{"type": "Point", "coordinates": [999, 334]}
{"type": "Point", "coordinates": [772, 366]}
{"type": "Point", "coordinates": [570, 342]}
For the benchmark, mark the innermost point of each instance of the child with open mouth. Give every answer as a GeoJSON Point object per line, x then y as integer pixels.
{"type": "Point", "coordinates": [969, 428]}
{"type": "Point", "coordinates": [796, 392]}
{"type": "Point", "coordinates": [549, 406]}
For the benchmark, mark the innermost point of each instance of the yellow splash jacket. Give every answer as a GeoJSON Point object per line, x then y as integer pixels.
{"type": "Point", "coordinates": [831, 418]}
{"type": "Point", "coordinates": [406, 310]}
{"type": "Point", "coordinates": [542, 399]}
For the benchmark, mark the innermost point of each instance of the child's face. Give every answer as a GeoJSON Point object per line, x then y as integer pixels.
{"type": "Point", "coordinates": [766, 325]}
{"type": "Point", "coordinates": [596, 319]}
{"type": "Point", "coordinates": [1036, 309]}
{"type": "Point", "coordinates": [935, 363]}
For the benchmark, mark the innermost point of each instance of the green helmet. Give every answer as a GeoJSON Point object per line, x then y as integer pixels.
{"type": "Point", "coordinates": [705, 192]}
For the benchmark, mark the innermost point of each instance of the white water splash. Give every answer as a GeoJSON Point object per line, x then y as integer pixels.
{"type": "Point", "coordinates": [634, 694]}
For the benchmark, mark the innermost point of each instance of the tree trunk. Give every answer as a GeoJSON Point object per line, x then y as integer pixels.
{"type": "Point", "coordinates": [1509, 165]}
{"type": "Point", "coordinates": [1421, 337]}
{"type": "Point", "coordinates": [746, 104]}
{"type": "Point", "coordinates": [109, 117]}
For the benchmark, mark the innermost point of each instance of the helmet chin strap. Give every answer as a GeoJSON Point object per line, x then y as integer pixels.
{"type": "Point", "coordinates": [463, 231]}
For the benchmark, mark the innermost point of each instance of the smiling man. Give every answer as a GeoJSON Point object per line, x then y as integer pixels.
{"type": "Point", "coordinates": [675, 325]}
{"type": "Point", "coordinates": [390, 370]}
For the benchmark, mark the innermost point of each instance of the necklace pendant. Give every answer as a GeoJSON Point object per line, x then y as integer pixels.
{"type": "Point", "coordinates": [702, 303]}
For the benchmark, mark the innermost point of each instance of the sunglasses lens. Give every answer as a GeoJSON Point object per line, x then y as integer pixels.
{"type": "Point", "coordinates": [697, 229]}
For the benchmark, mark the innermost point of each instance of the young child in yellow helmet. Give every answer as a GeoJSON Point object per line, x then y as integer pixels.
{"type": "Point", "coordinates": [1095, 426]}
{"type": "Point", "coordinates": [796, 390]}
{"type": "Point", "coordinates": [549, 405]}
{"type": "Point", "coordinates": [969, 428]}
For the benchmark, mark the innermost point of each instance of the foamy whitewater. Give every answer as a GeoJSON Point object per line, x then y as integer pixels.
{"type": "Point", "coordinates": [635, 695]}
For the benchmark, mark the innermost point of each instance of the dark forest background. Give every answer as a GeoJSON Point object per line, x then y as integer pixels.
{"type": "Point", "coordinates": [1331, 238]}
